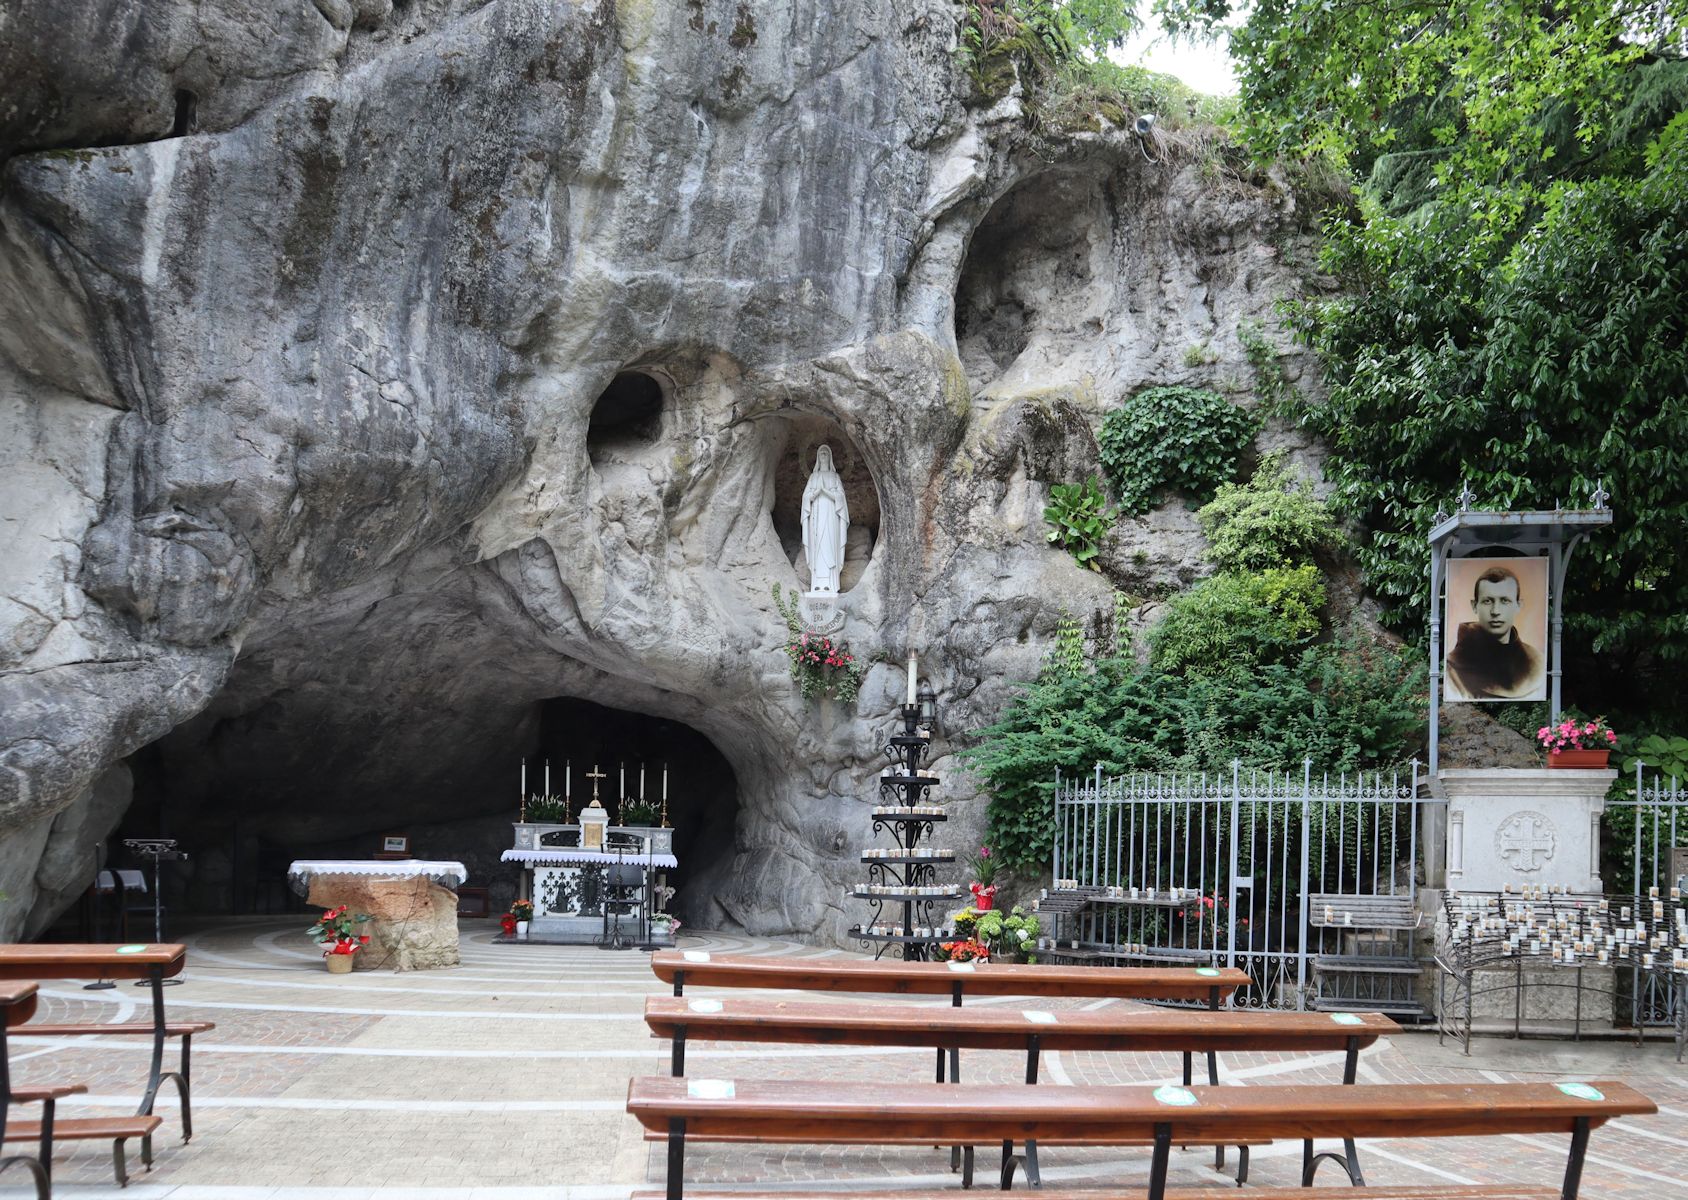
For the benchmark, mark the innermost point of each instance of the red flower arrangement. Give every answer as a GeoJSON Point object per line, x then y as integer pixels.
{"type": "Point", "coordinates": [337, 931]}
{"type": "Point", "coordinates": [508, 921]}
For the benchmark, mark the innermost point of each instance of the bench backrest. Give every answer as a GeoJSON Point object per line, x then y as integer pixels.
{"type": "Point", "coordinates": [1003, 1028]}
{"type": "Point", "coordinates": [941, 979]}
{"type": "Point", "coordinates": [848, 1112]}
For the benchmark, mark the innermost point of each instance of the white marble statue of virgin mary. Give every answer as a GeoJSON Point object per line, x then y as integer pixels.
{"type": "Point", "coordinates": [826, 520]}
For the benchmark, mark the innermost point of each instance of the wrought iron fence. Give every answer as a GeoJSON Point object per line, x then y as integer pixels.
{"type": "Point", "coordinates": [1252, 868]}
{"type": "Point", "coordinates": [1650, 829]}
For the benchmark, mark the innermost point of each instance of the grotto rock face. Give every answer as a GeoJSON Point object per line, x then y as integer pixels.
{"type": "Point", "coordinates": [303, 491]}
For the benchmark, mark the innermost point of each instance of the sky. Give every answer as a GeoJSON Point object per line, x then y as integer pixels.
{"type": "Point", "coordinates": [1203, 66]}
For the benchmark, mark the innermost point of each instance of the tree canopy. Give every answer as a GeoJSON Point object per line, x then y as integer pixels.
{"type": "Point", "coordinates": [1514, 273]}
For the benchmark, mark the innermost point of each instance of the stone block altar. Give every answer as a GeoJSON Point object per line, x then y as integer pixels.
{"type": "Point", "coordinates": [413, 910]}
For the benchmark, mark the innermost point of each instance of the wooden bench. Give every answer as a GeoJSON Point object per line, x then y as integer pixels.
{"type": "Point", "coordinates": [1124, 1031]}
{"type": "Point", "coordinates": [151, 963]}
{"type": "Point", "coordinates": [17, 1005]}
{"type": "Point", "coordinates": [848, 1113]}
{"type": "Point", "coordinates": [956, 980]}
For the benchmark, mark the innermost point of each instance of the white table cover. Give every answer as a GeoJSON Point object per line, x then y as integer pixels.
{"type": "Point", "coordinates": [446, 874]}
{"type": "Point", "coordinates": [575, 857]}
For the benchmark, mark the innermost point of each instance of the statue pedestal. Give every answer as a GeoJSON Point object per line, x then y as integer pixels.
{"type": "Point", "coordinates": [1538, 827]}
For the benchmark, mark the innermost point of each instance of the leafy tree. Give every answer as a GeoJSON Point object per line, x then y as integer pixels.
{"type": "Point", "coordinates": [1512, 314]}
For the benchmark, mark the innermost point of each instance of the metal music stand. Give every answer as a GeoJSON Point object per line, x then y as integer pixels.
{"type": "Point", "coordinates": [158, 850]}
{"type": "Point", "coordinates": [100, 985]}
{"type": "Point", "coordinates": [646, 913]}
{"type": "Point", "coordinates": [616, 896]}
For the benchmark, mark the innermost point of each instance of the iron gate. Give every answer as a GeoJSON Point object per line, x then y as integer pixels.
{"type": "Point", "coordinates": [1252, 868]}
{"type": "Point", "coordinates": [1650, 828]}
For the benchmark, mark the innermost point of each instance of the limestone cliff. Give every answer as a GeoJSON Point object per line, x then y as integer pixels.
{"type": "Point", "coordinates": [314, 324]}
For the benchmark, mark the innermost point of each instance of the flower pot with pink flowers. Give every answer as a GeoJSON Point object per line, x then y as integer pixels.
{"type": "Point", "coordinates": [1578, 744]}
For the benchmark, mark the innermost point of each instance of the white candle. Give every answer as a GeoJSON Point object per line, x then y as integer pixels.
{"type": "Point", "coordinates": [641, 780]}
{"type": "Point", "coordinates": [547, 777]}
{"type": "Point", "coordinates": [567, 792]}
{"type": "Point", "coordinates": [524, 777]}
{"type": "Point", "coordinates": [623, 792]}
{"type": "Point", "coordinates": [913, 666]}
{"type": "Point", "coordinates": [665, 781]}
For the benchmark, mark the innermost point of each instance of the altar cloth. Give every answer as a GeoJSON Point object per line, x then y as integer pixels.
{"type": "Point", "coordinates": [446, 874]}
{"type": "Point", "coordinates": [575, 857]}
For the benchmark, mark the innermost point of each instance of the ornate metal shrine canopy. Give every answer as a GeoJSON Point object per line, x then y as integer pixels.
{"type": "Point", "coordinates": [1471, 533]}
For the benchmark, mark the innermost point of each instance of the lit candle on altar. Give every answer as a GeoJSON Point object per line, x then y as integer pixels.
{"type": "Point", "coordinates": [913, 666]}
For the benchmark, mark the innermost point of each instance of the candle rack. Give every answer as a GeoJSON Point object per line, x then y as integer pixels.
{"type": "Point", "coordinates": [910, 907]}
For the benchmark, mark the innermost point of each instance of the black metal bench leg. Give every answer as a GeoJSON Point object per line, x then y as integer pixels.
{"type": "Point", "coordinates": [118, 1166]}
{"type": "Point", "coordinates": [676, 1158]}
{"type": "Point", "coordinates": [43, 1188]}
{"type": "Point", "coordinates": [49, 1108]}
{"type": "Point", "coordinates": [1213, 1081]}
{"type": "Point", "coordinates": [1006, 1172]}
{"type": "Point", "coordinates": [1158, 1164]}
{"type": "Point", "coordinates": [1242, 1165]}
{"type": "Point", "coordinates": [1574, 1165]}
{"type": "Point", "coordinates": [966, 1166]}
{"type": "Point", "coordinates": [677, 1055]}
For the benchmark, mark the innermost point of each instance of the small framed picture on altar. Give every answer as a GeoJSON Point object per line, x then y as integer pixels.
{"type": "Point", "coordinates": [395, 843]}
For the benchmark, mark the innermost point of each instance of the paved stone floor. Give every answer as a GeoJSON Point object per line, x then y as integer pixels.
{"type": "Point", "coordinates": [505, 1079]}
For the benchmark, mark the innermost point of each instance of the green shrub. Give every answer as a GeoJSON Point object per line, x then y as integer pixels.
{"type": "Point", "coordinates": [1232, 623]}
{"type": "Point", "coordinates": [1079, 518]}
{"type": "Point", "coordinates": [1347, 705]}
{"type": "Point", "coordinates": [1172, 438]}
{"type": "Point", "coordinates": [1273, 520]}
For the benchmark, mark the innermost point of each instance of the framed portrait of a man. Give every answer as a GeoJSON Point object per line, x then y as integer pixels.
{"type": "Point", "coordinates": [1496, 629]}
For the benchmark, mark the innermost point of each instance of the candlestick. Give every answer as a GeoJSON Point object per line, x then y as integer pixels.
{"type": "Point", "coordinates": [913, 666]}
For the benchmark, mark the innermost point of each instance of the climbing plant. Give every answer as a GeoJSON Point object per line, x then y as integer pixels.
{"type": "Point", "coordinates": [1171, 439]}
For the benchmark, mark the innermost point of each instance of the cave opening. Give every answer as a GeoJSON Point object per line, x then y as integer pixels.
{"type": "Point", "coordinates": [627, 414]}
{"type": "Point", "coordinates": [1029, 271]}
{"type": "Point", "coordinates": [580, 736]}
{"type": "Point", "coordinates": [243, 814]}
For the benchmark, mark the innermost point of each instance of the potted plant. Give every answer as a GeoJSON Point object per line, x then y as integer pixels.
{"type": "Point", "coordinates": [664, 926]}
{"type": "Point", "coordinates": [639, 813]}
{"type": "Point", "coordinates": [1008, 937]}
{"type": "Point", "coordinates": [337, 932]}
{"type": "Point", "coordinates": [983, 867]}
{"type": "Point", "coordinates": [1578, 743]}
{"type": "Point", "coordinates": [971, 950]}
{"type": "Point", "coordinates": [522, 911]}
